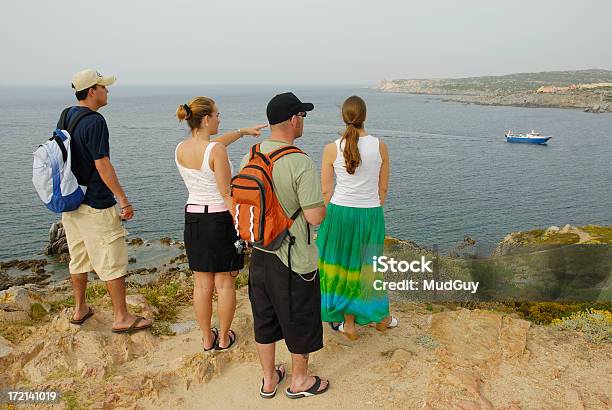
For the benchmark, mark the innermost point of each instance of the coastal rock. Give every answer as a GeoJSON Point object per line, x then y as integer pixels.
{"type": "Point", "coordinates": [13, 316]}
{"type": "Point", "coordinates": [32, 264]}
{"type": "Point", "coordinates": [473, 346]}
{"type": "Point", "coordinates": [480, 360]}
{"type": "Point", "coordinates": [135, 241]}
{"type": "Point", "coordinates": [68, 353]}
{"type": "Point", "coordinates": [38, 277]}
{"type": "Point", "coordinates": [57, 240]}
{"type": "Point", "coordinates": [6, 347]}
{"type": "Point", "coordinates": [36, 267]}
{"type": "Point", "coordinates": [15, 298]}
{"type": "Point", "coordinates": [5, 281]}
{"type": "Point", "coordinates": [182, 258]}
{"type": "Point", "coordinates": [19, 299]}
{"type": "Point", "coordinates": [517, 241]}
{"type": "Point", "coordinates": [139, 271]}
{"type": "Point", "coordinates": [392, 244]}
{"type": "Point", "coordinates": [140, 302]}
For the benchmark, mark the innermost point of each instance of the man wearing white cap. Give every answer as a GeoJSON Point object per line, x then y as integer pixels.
{"type": "Point", "coordinates": [94, 232]}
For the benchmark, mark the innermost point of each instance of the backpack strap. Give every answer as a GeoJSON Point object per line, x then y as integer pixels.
{"type": "Point", "coordinates": [295, 214]}
{"type": "Point", "coordinates": [281, 152]}
{"type": "Point", "coordinates": [256, 151]}
{"type": "Point", "coordinates": [62, 119]}
{"type": "Point", "coordinates": [75, 120]}
{"type": "Point", "coordinates": [59, 138]}
{"type": "Point", "coordinates": [61, 125]}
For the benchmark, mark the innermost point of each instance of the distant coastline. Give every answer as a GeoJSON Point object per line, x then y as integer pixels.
{"type": "Point", "coordinates": [589, 90]}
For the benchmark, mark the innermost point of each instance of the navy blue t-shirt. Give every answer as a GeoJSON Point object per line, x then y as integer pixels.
{"type": "Point", "coordinates": [89, 143]}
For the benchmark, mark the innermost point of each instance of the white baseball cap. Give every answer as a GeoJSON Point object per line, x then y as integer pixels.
{"type": "Point", "coordinates": [87, 78]}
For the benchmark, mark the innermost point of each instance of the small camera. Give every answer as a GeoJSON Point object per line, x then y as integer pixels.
{"type": "Point", "coordinates": [240, 245]}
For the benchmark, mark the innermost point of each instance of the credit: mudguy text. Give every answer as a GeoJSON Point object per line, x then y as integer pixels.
{"type": "Point", "coordinates": [384, 264]}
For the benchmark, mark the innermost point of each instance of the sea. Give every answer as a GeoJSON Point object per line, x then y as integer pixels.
{"type": "Point", "coordinates": [452, 173]}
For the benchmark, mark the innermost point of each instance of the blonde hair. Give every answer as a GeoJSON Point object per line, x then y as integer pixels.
{"type": "Point", "coordinates": [195, 110]}
{"type": "Point", "coordinates": [354, 115]}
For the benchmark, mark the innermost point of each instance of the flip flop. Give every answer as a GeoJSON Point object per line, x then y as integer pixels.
{"type": "Point", "coordinates": [392, 323]}
{"type": "Point", "coordinates": [214, 343]}
{"type": "Point", "coordinates": [84, 318]}
{"type": "Point", "coordinates": [312, 391]}
{"type": "Point", "coordinates": [133, 327]}
{"type": "Point", "coordinates": [232, 341]}
{"type": "Point", "coordinates": [281, 376]}
{"type": "Point", "coordinates": [336, 327]}
{"type": "Point", "coordinates": [349, 336]}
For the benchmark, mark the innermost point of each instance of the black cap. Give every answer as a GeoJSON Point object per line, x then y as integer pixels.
{"type": "Point", "coordinates": [284, 106]}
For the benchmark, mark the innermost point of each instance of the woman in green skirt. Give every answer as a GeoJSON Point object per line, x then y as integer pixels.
{"type": "Point", "coordinates": [353, 231]}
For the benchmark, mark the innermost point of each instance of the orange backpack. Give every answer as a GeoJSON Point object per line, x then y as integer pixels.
{"type": "Point", "coordinates": [259, 217]}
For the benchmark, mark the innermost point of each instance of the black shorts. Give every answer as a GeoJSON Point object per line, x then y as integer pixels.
{"type": "Point", "coordinates": [284, 307]}
{"type": "Point", "coordinates": [209, 242]}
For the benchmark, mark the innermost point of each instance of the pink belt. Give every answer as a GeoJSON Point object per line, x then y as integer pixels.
{"type": "Point", "coordinates": [205, 209]}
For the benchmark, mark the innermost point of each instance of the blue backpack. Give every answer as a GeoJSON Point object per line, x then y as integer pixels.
{"type": "Point", "coordinates": [52, 174]}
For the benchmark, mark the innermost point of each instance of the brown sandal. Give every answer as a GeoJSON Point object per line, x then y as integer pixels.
{"type": "Point", "coordinates": [133, 328]}
{"type": "Point", "coordinates": [84, 318]}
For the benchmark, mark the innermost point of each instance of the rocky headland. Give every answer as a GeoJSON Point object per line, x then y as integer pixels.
{"type": "Point", "coordinates": [589, 90]}
{"type": "Point", "coordinates": [444, 355]}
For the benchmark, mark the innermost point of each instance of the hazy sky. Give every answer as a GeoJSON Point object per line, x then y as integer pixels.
{"type": "Point", "coordinates": [297, 42]}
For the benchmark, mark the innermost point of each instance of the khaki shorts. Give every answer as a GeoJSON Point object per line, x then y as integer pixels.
{"type": "Point", "coordinates": [96, 241]}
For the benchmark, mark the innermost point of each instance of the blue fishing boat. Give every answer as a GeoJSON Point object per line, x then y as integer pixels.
{"type": "Point", "coordinates": [532, 137]}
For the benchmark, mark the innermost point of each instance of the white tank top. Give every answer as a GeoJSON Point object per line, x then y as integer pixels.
{"type": "Point", "coordinates": [359, 190]}
{"type": "Point", "coordinates": [201, 183]}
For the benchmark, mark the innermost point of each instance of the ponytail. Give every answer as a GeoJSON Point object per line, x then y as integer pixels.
{"type": "Point", "coordinates": [352, 157]}
{"type": "Point", "coordinates": [354, 115]}
{"type": "Point", "coordinates": [195, 110]}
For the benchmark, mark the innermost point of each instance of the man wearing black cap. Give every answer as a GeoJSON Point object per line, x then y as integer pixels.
{"type": "Point", "coordinates": [283, 309]}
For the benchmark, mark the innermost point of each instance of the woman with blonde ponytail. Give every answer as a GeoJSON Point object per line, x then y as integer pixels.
{"type": "Point", "coordinates": [210, 236]}
{"type": "Point", "coordinates": [353, 231]}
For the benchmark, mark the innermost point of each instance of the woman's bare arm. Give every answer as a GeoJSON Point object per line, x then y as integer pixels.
{"type": "Point", "coordinates": [233, 136]}
{"type": "Point", "coordinates": [327, 171]}
{"type": "Point", "coordinates": [383, 179]}
{"type": "Point", "coordinates": [219, 163]}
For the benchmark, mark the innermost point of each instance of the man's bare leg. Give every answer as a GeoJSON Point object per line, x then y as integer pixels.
{"type": "Point", "coordinates": [122, 318]}
{"type": "Point", "coordinates": [79, 285]}
{"type": "Point", "coordinates": [300, 380]}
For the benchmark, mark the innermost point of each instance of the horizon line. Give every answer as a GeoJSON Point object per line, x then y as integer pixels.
{"type": "Point", "coordinates": [199, 84]}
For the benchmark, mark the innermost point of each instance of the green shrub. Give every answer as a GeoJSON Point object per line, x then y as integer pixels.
{"type": "Point", "coordinates": [595, 325]}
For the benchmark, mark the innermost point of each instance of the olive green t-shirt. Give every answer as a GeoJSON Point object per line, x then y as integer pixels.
{"type": "Point", "coordinates": [297, 185]}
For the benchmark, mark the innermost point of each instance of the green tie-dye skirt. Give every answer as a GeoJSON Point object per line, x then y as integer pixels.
{"type": "Point", "coordinates": [348, 240]}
